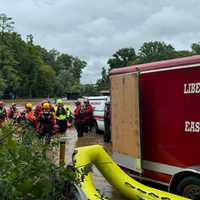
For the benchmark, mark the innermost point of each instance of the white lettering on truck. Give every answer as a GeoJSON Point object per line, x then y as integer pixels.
{"type": "Point", "coordinates": [191, 126]}
{"type": "Point", "coordinates": [192, 88]}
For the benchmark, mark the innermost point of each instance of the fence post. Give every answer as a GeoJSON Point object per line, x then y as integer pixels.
{"type": "Point", "coordinates": [62, 152]}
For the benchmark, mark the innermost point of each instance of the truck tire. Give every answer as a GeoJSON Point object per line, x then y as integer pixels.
{"type": "Point", "coordinates": [189, 187]}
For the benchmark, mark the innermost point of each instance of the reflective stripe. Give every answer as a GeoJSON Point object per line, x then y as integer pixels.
{"type": "Point", "coordinates": [162, 168]}
{"type": "Point", "coordinates": [170, 68]}
{"type": "Point", "coordinates": [127, 162]}
{"type": "Point", "coordinates": [62, 117]}
{"type": "Point", "coordinates": [131, 163]}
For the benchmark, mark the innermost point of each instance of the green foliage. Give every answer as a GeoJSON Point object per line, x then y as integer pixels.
{"type": "Point", "coordinates": [26, 172]}
{"type": "Point", "coordinates": [2, 85]}
{"type": "Point", "coordinates": [89, 90]}
{"type": "Point", "coordinates": [69, 73]}
{"type": "Point", "coordinates": [196, 48]}
{"type": "Point", "coordinates": [184, 53]}
{"type": "Point", "coordinates": [6, 24]}
{"type": "Point", "coordinates": [122, 58]}
{"type": "Point", "coordinates": [149, 52]}
{"type": "Point", "coordinates": [45, 81]}
{"type": "Point", "coordinates": [29, 70]}
{"type": "Point", "coordinates": [155, 51]}
{"type": "Point", "coordinates": [104, 82]}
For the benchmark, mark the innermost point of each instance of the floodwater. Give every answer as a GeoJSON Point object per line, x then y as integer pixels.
{"type": "Point", "coordinates": [89, 139]}
{"type": "Point", "coordinates": [72, 141]}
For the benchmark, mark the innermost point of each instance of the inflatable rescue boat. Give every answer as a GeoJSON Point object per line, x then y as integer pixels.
{"type": "Point", "coordinates": [83, 157]}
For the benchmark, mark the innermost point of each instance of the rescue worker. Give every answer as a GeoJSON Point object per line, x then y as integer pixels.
{"type": "Point", "coordinates": [88, 115]}
{"type": "Point", "coordinates": [3, 113]}
{"type": "Point", "coordinates": [78, 119]}
{"type": "Point", "coordinates": [107, 120]}
{"type": "Point", "coordinates": [13, 113]}
{"type": "Point", "coordinates": [69, 119]}
{"type": "Point", "coordinates": [38, 108]}
{"type": "Point", "coordinates": [29, 117]}
{"type": "Point", "coordinates": [62, 113]}
{"type": "Point", "coordinates": [46, 122]}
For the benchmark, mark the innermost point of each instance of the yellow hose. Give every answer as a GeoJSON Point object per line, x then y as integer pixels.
{"type": "Point", "coordinates": [127, 186]}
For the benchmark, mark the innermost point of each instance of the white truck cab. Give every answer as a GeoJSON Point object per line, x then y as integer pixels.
{"type": "Point", "coordinates": [98, 103]}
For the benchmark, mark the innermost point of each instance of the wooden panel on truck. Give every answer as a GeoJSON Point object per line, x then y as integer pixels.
{"type": "Point", "coordinates": [125, 119]}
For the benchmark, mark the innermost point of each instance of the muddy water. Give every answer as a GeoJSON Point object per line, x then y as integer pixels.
{"type": "Point", "coordinates": [89, 139]}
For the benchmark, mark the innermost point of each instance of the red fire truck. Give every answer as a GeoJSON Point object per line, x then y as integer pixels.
{"type": "Point", "coordinates": [156, 122]}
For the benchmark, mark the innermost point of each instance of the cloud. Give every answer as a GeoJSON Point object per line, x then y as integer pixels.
{"type": "Point", "coordinates": [94, 30]}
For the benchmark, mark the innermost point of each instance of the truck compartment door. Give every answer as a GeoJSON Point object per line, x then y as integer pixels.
{"type": "Point", "coordinates": [126, 142]}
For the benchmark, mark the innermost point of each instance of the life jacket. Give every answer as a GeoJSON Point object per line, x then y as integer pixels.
{"type": "Point", "coordinates": [77, 113]}
{"type": "Point", "coordinates": [62, 112]}
{"type": "Point", "coordinates": [31, 119]}
{"type": "Point", "coordinates": [30, 116]}
{"type": "Point", "coordinates": [88, 112]}
{"type": "Point", "coordinates": [69, 115]}
{"type": "Point", "coordinates": [12, 113]}
{"type": "Point", "coordinates": [46, 117]}
{"type": "Point", "coordinates": [38, 110]}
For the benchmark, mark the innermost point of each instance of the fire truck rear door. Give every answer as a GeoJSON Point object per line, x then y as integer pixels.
{"type": "Point", "coordinates": [126, 121]}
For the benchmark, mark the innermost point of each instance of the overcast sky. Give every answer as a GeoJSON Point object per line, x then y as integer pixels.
{"type": "Point", "coordinates": [93, 30]}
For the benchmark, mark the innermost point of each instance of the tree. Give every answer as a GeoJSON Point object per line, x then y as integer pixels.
{"type": "Point", "coordinates": [2, 85]}
{"type": "Point", "coordinates": [64, 61]}
{"type": "Point", "coordinates": [64, 82]}
{"type": "Point", "coordinates": [123, 57]}
{"type": "Point", "coordinates": [49, 57]}
{"type": "Point", "coordinates": [12, 80]}
{"type": "Point", "coordinates": [155, 51]}
{"type": "Point", "coordinates": [77, 67]}
{"type": "Point", "coordinates": [30, 70]}
{"type": "Point", "coordinates": [69, 73]}
{"type": "Point", "coordinates": [196, 48]}
{"type": "Point", "coordinates": [184, 53]}
{"type": "Point", "coordinates": [89, 90]}
{"type": "Point", "coordinates": [29, 38]}
{"type": "Point", "coordinates": [45, 81]}
{"type": "Point", "coordinates": [6, 24]}
{"type": "Point", "coordinates": [104, 82]}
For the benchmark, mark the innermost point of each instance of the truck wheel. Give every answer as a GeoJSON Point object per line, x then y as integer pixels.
{"type": "Point", "coordinates": [189, 187]}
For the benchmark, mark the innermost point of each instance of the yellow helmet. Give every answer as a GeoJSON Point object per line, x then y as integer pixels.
{"type": "Point", "coordinates": [46, 106]}
{"type": "Point", "coordinates": [29, 105]}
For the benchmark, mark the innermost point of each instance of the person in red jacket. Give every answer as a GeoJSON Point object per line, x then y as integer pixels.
{"type": "Point", "coordinates": [13, 113]}
{"type": "Point", "coordinates": [78, 119]}
{"type": "Point", "coordinates": [88, 115]}
{"type": "Point", "coordinates": [47, 122]}
{"type": "Point", "coordinates": [28, 116]}
{"type": "Point", "coordinates": [38, 108]}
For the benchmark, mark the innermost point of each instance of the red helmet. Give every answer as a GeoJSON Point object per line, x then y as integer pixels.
{"type": "Point", "coordinates": [1, 103]}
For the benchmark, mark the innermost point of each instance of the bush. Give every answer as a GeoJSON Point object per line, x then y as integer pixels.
{"type": "Point", "coordinates": [26, 172]}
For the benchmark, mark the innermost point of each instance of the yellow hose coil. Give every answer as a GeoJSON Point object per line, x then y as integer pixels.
{"type": "Point", "coordinates": [127, 186]}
